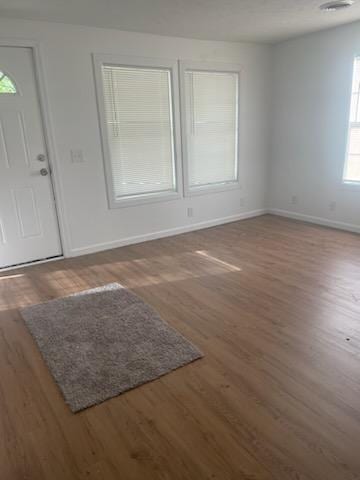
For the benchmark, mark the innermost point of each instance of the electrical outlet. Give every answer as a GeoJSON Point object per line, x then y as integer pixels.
{"type": "Point", "coordinates": [77, 156]}
{"type": "Point", "coordinates": [190, 212]}
{"type": "Point", "coordinates": [332, 206]}
{"type": "Point", "coordinates": [294, 200]}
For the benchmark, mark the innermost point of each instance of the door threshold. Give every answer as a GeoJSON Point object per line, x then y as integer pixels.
{"type": "Point", "coordinates": [29, 264]}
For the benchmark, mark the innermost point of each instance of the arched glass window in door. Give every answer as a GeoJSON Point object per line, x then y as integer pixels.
{"type": "Point", "coordinates": [6, 84]}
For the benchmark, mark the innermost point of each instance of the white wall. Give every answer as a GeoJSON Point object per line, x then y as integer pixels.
{"type": "Point", "coordinates": [311, 79]}
{"type": "Point", "coordinates": [67, 65]}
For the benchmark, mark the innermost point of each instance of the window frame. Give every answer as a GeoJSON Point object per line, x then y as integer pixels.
{"type": "Point", "coordinates": [141, 62]}
{"type": "Point", "coordinates": [216, 67]}
{"type": "Point", "coordinates": [351, 184]}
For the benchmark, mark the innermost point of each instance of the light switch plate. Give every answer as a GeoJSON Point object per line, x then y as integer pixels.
{"type": "Point", "coordinates": [77, 156]}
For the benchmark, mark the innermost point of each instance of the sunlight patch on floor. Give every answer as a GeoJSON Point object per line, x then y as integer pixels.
{"type": "Point", "coordinates": [139, 272]}
{"type": "Point", "coordinates": [7, 277]}
{"type": "Point", "coordinates": [209, 257]}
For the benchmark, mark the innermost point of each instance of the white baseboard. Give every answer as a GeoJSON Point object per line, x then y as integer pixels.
{"type": "Point", "coordinates": [164, 233]}
{"type": "Point", "coordinates": [351, 227]}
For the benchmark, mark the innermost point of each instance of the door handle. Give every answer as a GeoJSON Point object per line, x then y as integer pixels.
{"type": "Point", "coordinates": [44, 172]}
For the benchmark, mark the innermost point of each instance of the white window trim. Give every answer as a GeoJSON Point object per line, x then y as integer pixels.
{"type": "Point", "coordinates": [120, 60]}
{"type": "Point", "coordinates": [350, 184]}
{"type": "Point", "coordinates": [185, 65]}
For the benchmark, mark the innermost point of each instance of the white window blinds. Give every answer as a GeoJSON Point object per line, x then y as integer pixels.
{"type": "Point", "coordinates": [139, 121]}
{"type": "Point", "coordinates": [352, 164]}
{"type": "Point", "coordinates": [211, 104]}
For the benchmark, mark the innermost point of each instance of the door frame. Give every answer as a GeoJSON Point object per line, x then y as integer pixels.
{"type": "Point", "coordinates": [47, 128]}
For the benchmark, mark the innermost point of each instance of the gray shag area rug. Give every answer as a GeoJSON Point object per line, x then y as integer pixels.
{"type": "Point", "coordinates": [104, 341]}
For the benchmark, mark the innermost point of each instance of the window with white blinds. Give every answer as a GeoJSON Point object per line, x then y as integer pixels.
{"type": "Point", "coordinates": [211, 126]}
{"type": "Point", "coordinates": [352, 164]}
{"type": "Point", "coordinates": [138, 117]}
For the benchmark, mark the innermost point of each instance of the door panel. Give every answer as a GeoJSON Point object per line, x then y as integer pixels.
{"type": "Point", "coordinates": [27, 212]}
{"type": "Point", "coordinates": [28, 222]}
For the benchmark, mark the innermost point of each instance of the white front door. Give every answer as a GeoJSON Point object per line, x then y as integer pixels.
{"type": "Point", "coordinates": [28, 222]}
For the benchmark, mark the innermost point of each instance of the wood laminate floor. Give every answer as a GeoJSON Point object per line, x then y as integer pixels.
{"type": "Point", "coordinates": [275, 306]}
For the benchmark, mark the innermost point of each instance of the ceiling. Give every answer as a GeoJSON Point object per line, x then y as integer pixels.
{"type": "Point", "coordinates": [266, 21]}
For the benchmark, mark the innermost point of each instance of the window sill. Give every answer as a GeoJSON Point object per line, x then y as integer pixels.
{"type": "Point", "coordinates": [352, 186]}
{"type": "Point", "coordinates": [208, 189]}
{"type": "Point", "coordinates": [143, 200]}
